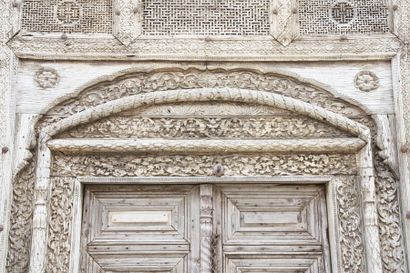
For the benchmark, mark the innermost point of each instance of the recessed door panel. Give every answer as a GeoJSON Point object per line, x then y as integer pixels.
{"type": "Point", "coordinates": [140, 229]}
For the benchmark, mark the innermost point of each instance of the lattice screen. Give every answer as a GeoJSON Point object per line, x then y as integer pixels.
{"type": "Point", "coordinates": [86, 16]}
{"type": "Point", "coordinates": [331, 16]}
{"type": "Point", "coordinates": [207, 17]}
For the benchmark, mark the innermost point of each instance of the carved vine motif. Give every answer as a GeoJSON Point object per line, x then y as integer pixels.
{"type": "Point", "coordinates": [194, 78]}
{"type": "Point", "coordinates": [143, 127]}
{"type": "Point", "coordinates": [60, 218]}
{"type": "Point", "coordinates": [390, 227]}
{"type": "Point", "coordinates": [21, 221]}
{"type": "Point", "coordinates": [350, 225]}
{"type": "Point", "coordinates": [202, 165]}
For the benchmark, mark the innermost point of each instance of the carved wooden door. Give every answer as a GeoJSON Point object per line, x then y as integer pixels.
{"type": "Point", "coordinates": [271, 228]}
{"type": "Point", "coordinates": [140, 229]}
{"type": "Point", "coordinates": [238, 228]}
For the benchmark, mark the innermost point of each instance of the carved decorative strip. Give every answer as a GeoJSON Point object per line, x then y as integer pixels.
{"type": "Point", "coordinates": [234, 127]}
{"type": "Point", "coordinates": [390, 226]}
{"type": "Point", "coordinates": [349, 207]}
{"type": "Point", "coordinates": [108, 48]}
{"type": "Point", "coordinates": [128, 16]}
{"type": "Point", "coordinates": [21, 221]}
{"type": "Point", "coordinates": [206, 222]}
{"type": "Point", "coordinates": [284, 25]}
{"type": "Point", "coordinates": [193, 78]}
{"type": "Point", "coordinates": [60, 220]}
{"type": "Point", "coordinates": [215, 146]}
{"type": "Point", "coordinates": [178, 165]}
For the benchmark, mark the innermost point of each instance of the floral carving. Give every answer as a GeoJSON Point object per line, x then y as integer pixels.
{"type": "Point", "coordinates": [60, 218]}
{"type": "Point", "coordinates": [366, 81]}
{"type": "Point", "coordinates": [194, 78]}
{"type": "Point", "coordinates": [46, 78]}
{"type": "Point", "coordinates": [21, 221]}
{"type": "Point", "coordinates": [389, 220]}
{"type": "Point", "coordinates": [143, 127]}
{"type": "Point", "coordinates": [350, 226]}
{"type": "Point", "coordinates": [202, 165]}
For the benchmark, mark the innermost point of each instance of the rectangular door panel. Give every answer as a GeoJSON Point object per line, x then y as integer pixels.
{"type": "Point", "coordinates": [140, 229]}
{"type": "Point", "coordinates": [271, 214]}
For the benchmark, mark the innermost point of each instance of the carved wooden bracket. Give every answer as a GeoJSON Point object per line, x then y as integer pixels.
{"type": "Point", "coordinates": [127, 17]}
{"type": "Point", "coordinates": [283, 17]}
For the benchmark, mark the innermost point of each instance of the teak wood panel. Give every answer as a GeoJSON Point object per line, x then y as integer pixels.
{"type": "Point", "coordinates": [257, 228]}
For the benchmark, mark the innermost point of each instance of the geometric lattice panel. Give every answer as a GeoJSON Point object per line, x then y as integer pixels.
{"type": "Point", "coordinates": [206, 17]}
{"type": "Point", "coordinates": [342, 16]}
{"type": "Point", "coordinates": [83, 16]}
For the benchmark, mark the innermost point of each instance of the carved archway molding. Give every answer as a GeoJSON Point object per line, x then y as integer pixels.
{"type": "Point", "coordinates": [361, 145]}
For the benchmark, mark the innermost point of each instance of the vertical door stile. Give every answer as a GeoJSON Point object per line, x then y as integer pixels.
{"type": "Point", "coordinates": [206, 220]}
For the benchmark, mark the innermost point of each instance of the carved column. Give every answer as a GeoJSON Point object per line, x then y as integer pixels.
{"type": "Point", "coordinates": [41, 192]}
{"type": "Point", "coordinates": [206, 215]}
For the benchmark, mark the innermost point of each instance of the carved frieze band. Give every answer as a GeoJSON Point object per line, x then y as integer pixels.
{"type": "Point", "coordinates": [206, 95]}
{"type": "Point", "coordinates": [197, 127]}
{"type": "Point", "coordinates": [202, 165]}
{"type": "Point", "coordinates": [109, 48]}
{"type": "Point", "coordinates": [138, 83]}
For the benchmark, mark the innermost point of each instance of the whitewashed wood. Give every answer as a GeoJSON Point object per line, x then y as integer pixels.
{"type": "Point", "coordinates": [206, 221]}
{"type": "Point", "coordinates": [40, 213]}
{"type": "Point", "coordinates": [34, 100]}
{"type": "Point", "coordinates": [187, 146]}
{"type": "Point", "coordinates": [387, 140]}
{"type": "Point", "coordinates": [260, 243]}
{"type": "Point", "coordinates": [141, 238]}
{"type": "Point", "coordinates": [75, 252]}
{"type": "Point", "coordinates": [369, 209]}
{"type": "Point", "coordinates": [23, 140]}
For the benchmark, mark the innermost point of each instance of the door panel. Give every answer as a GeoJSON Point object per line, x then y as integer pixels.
{"type": "Point", "coordinates": [256, 228]}
{"type": "Point", "coordinates": [271, 228]}
{"type": "Point", "coordinates": [141, 229]}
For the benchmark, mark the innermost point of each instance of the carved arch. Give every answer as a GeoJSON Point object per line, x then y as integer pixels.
{"type": "Point", "coordinates": [209, 94]}
{"type": "Point", "coordinates": [248, 95]}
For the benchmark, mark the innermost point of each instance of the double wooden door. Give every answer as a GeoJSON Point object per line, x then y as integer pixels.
{"type": "Point", "coordinates": [241, 228]}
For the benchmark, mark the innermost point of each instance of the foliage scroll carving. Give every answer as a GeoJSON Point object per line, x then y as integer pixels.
{"type": "Point", "coordinates": [201, 165]}
{"type": "Point", "coordinates": [194, 78]}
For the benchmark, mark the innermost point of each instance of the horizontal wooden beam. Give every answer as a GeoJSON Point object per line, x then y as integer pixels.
{"type": "Point", "coordinates": [220, 146]}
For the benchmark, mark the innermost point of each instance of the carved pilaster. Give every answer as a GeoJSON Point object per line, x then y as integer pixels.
{"type": "Point", "coordinates": [206, 214]}
{"type": "Point", "coordinates": [41, 189]}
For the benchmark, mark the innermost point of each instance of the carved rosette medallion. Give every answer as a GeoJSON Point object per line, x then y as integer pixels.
{"type": "Point", "coordinates": [366, 81]}
{"type": "Point", "coordinates": [46, 78]}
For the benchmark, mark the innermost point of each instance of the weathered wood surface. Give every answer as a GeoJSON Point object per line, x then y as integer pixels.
{"type": "Point", "coordinates": [180, 229]}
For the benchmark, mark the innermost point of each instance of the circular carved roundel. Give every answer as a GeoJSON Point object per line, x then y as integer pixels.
{"type": "Point", "coordinates": [343, 12]}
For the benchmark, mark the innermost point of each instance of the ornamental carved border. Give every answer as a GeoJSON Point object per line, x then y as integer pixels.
{"type": "Point", "coordinates": [389, 215]}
